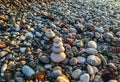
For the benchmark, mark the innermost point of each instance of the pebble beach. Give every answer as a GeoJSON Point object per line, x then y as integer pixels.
{"type": "Point", "coordinates": [59, 41]}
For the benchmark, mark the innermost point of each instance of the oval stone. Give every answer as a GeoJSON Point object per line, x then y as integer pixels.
{"type": "Point", "coordinates": [91, 51]}
{"type": "Point", "coordinates": [76, 73]}
{"type": "Point", "coordinates": [85, 77]}
{"type": "Point", "coordinates": [28, 71]}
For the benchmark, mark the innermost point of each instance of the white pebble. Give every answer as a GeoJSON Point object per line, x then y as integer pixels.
{"type": "Point", "coordinates": [91, 51]}
{"type": "Point", "coordinates": [85, 77]}
{"type": "Point", "coordinates": [76, 73]}
{"type": "Point", "coordinates": [92, 44]}
{"type": "Point", "coordinates": [81, 59]}
{"type": "Point", "coordinates": [58, 57]}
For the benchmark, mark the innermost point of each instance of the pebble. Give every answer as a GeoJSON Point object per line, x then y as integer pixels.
{"type": "Point", "coordinates": [29, 35]}
{"type": "Point", "coordinates": [93, 60]}
{"type": "Point", "coordinates": [55, 73]}
{"type": "Point", "coordinates": [28, 71]}
{"type": "Point", "coordinates": [112, 65]}
{"type": "Point", "coordinates": [103, 60]}
{"type": "Point", "coordinates": [22, 38]}
{"type": "Point", "coordinates": [90, 69]}
{"type": "Point", "coordinates": [3, 53]}
{"type": "Point", "coordinates": [44, 59]}
{"type": "Point", "coordinates": [50, 34]}
{"type": "Point", "coordinates": [108, 35]}
{"type": "Point", "coordinates": [100, 29]}
{"type": "Point", "coordinates": [3, 69]}
{"type": "Point", "coordinates": [73, 61]}
{"type": "Point", "coordinates": [95, 69]}
{"type": "Point", "coordinates": [62, 79]}
{"type": "Point", "coordinates": [98, 79]}
{"type": "Point", "coordinates": [22, 50]}
{"type": "Point", "coordinates": [85, 77]}
{"type": "Point", "coordinates": [19, 79]}
{"type": "Point", "coordinates": [38, 34]}
{"type": "Point", "coordinates": [92, 44]}
{"type": "Point", "coordinates": [66, 61]}
{"type": "Point", "coordinates": [58, 57]}
{"type": "Point", "coordinates": [76, 73]}
{"type": "Point", "coordinates": [81, 59]}
{"type": "Point", "coordinates": [91, 51]}
{"type": "Point", "coordinates": [48, 66]}
{"type": "Point", "coordinates": [57, 68]}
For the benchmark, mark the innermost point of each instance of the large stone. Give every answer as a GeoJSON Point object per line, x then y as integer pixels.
{"type": "Point", "coordinates": [28, 71]}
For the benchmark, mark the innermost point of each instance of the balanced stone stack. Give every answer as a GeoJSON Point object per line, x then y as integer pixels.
{"type": "Point", "coordinates": [58, 54]}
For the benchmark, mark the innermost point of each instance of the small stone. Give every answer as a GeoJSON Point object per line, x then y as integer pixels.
{"type": "Point", "coordinates": [2, 45]}
{"type": "Point", "coordinates": [73, 61]}
{"type": "Point", "coordinates": [22, 50]}
{"type": "Point", "coordinates": [81, 59]}
{"type": "Point", "coordinates": [50, 34]}
{"type": "Point", "coordinates": [69, 41]}
{"type": "Point", "coordinates": [112, 66]}
{"type": "Point", "coordinates": [58, 57]}
{"type": "Point", "coordinates": [19, 79]}
{"type": "Point", "coordinates": [32, 64]}
{"type": "Point", "coordinates": [93, 60]}
{"type": "Point", "coordinates": [95, 69]}
{"type": "Point", "coordinates": [48, 66]}
{"type": "Point", "coordinates": [85, 77]}
{"type": "Point", "coordinates": [23, 62]}
{"type": "Point", "coordinates": [103, 60]}
{"type": "Point", "coordinates": [108, 35]}
{"type": "Point", "coordinates": [57, 68]}
{"type": "Point", "coordinates": [29, 35]}
{"type": "Point", "coordinates": [69, 53]}
{"type": "Point", "coordinates": [73, 30]}
{"type": "Point", "coordinates": [39, 76]}
{"type": "Point", "coordinates": [66, 61]}
{"type": "Point", "coordinates": [62, 78]}
{"type": "Point", "coordinates": [91, 51]}
{"type": "Point", "coordinates": [55, 73]}
{"type": "Point", "coordinates": [100, 29]}
{"type": "Point", "coordinates": [76, 73]}
{"type": "Point", "coordinates": [17, 27]}
{"type": "Point", "coordinates": [22, 38]}
{"type": "Point", "coordinates": [3, 69]}
{"type": "Point", "coordinates": [92, 44]}
{"type": "Point", "coordinates": [44, 59]}
{"type": "Point", "coordinates": [90, 69]}
{"type": "Point", "coordinates": [3, 53]}
{"type": "Point", "coordinates": [28, 71]}
{"type": "Point", "coordinates": [38, 34]}
{"type": "Point", "coordinates": [98, 79]}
